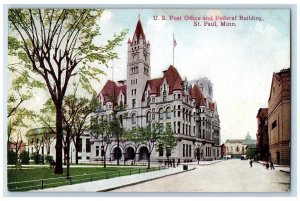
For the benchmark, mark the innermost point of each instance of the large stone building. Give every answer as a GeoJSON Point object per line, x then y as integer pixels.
{"type": "Point", "coordinates": [262, 138]}
{"type": "Point", "coordinates": [168, 100]}
{"type": "Point", "coordinates": [279, 117]}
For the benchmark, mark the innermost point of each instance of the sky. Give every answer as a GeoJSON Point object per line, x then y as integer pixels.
{"type": "Point", "coordinates": [239, 60]}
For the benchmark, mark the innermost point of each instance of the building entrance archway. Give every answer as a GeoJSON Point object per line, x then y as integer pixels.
{"type": "Point", "coordinates": [130, 153]}
{"type": "Point", "coordinates": [143, 153]}
{"type": "Point", "coordinates": [117, 153]}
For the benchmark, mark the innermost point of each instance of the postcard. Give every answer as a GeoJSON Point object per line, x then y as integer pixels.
{"type": "Point", "coordinates": [149, 100]}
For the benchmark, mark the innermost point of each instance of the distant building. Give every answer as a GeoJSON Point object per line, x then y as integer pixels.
{"type": "Point", "coordinates": [238, 147]}
{"type": "Point", "coordinates": [262, 138]}
{"type": "Point", "coordinates": [206, 86]}
{"type": "Point", "coordinates": [279, 117]}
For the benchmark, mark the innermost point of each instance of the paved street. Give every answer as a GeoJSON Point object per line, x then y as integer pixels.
{"type": "Point", "coordinates": [226, 176]}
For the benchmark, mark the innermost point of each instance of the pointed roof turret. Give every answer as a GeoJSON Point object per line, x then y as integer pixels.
{"type": "Point", "coordinates": [139, 32]}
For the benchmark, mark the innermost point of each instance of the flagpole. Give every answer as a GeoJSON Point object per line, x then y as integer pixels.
{"type": "Point", "coordinates": [173, 49]}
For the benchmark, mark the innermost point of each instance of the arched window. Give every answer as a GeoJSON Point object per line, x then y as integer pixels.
{"type": "Point", "coordinates": [148, 117]}
{"type": "Point", "coordinates": [168, 113]}
{"type": "Point", "coordinates": [133, 118]}
{"type": "Point", "coordinates": [237, 149]}
{"type": "Point", "coordinates": [161, 113]}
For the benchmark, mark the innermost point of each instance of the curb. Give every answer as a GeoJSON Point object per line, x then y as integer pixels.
{"type": "Point", "coordinates": [139, 182]}
{"type": "Point", "coordinates": [285, 171]}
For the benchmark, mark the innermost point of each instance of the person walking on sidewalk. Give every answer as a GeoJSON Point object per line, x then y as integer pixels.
{"type": "Point", "coordinates": [272, 166]}
{"type": "Point", "coordinates": [250, 163]}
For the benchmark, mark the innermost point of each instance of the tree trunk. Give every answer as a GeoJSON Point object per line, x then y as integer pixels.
{"type": "Point", "coordinates": [65, 155]}
{"type": "Point", "coordinates": [118, 157]}
{"type": "Point", "coordinates": [148, 160]}
{"type": "Point", "coordinates": [59, 139]}
{"type": "Point", "coordinates": [68, 159]}
{"type": "Point", "coordinates": [76, 149]}
{"type": "Point", "coordinates": [104, 158]}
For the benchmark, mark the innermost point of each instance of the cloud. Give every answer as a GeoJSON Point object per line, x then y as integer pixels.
{"type": "Point", "coordinates": [106, 16]}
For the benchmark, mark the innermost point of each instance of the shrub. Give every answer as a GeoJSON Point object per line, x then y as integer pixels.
{"type": "Point", "coordinates": [24, 156]}
{"type": "Point", "coordinates": [34, 158]}
{"type": "Point", "coordinates": [11, 157]}
{"type": "Point", "coordinates": [49, 158]}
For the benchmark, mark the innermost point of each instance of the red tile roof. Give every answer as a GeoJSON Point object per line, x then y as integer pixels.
{"type": "Point", "coordinates": [112, 90]}
{"type": "Point", "coordinates": [211, 106]}
{"type": "Point", "coordinates": [173, 79]}
{"type": "Point", "coordinates": [195, 93]}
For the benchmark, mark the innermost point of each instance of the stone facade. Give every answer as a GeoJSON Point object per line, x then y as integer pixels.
{"type": "Point", "coordinates": [262, 138]}
{"type": "Point", "coordinates": [279, 117]}
{"type": "Point", "coordinates": [167, 100]}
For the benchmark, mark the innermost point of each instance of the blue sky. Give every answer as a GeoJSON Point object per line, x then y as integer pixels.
{"type": "Point", "coordinates": [238, 60]}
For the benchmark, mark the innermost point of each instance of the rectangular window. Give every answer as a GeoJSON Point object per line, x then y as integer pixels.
{"type": "Point", "coordinates": [97, 150]}
{"type": "Point", "coordinates": [274, 124]}
{"type": "Point", "coordinates": [178, 114]}
{"type": "Point", "coordinates": [187, 150]}
{"type": "Point", "coordinates": [183, 150]}
{"type": "Point", "coordinates": [190, 150]}
{"type": "Point", "coordinates": [153, 100]}
{"type": "Point", "coordinates": [133, 102]}
{"type": "Point", "coordinates": [80, 145]}
{"type": "Point", "coordinates": [88, 146]}
{"type": "Point", "coordinates": [161, 150]}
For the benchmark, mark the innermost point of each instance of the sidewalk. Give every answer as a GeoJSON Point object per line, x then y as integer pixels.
{"type": "Point", "coordinates": [282, 168]}
{"type": "Point", "coordinates": [117, 182]}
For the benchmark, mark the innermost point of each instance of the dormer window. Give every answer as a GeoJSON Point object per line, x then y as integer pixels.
{"type": "Point", "coordinates": [164, 95]}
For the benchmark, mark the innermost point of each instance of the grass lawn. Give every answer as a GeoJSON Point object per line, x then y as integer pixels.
{"type": "Point", "coordinates": [31, 178]}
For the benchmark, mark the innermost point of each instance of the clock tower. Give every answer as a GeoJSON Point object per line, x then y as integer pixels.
{"type": "Point", "coordinates": [138, 67]}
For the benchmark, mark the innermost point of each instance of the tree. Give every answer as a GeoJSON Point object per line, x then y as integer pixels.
{"type": "Point", "coordinates": [149, 135]}
{"type": "Point", "coordinates": [76, 111]}
{"type": "Point", "coordinates": [46, 118]}
{"type": "Point", "coordinates": [132, 136]}
{"type": "Point", "coordinates": [100, 131]}
{"type": "Point", "coordinates": [17, 123]}
{"type": "Point", "coordinates": [57, 45]}
{"type": "Point", "coordinates": [116, 127]}
{"type": "Point", "coordinates": [250, 152]}
{"type": "Point", "coordinates": [36, 138]}
{"type": "Point", "coordinates": [167, 140]}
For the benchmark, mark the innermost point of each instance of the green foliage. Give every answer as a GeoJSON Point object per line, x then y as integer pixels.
{"type": "Point", "coordinates": [250, 153]}
{"type": "Point", "coordinates": [49, 158]}
{"type": "Point", "coordinates": [167, 140]}
{"type": "Point", "coordinates": [36, 159]}
{"type": "Point", "coordinates": [58, 40]}
{"type": "Point", "coordinates": [24, 157]}
{"type": "Point", "coordinates": [11, 157]}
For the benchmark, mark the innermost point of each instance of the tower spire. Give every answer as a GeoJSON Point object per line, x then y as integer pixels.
{"type": "Point", "coordinates": [139, 17]}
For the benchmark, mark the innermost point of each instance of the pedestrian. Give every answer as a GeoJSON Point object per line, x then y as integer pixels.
{"type": "Point", "coordinates": [173, 162]}
{"type": "Point", "coordinates": [178, 162]}
{"type": "Point", "coordinates": [267, 166]}
{"type": "Point", "coordinates": [250, 163]}
{"type": "Point", "coordinates": [272, 166]}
